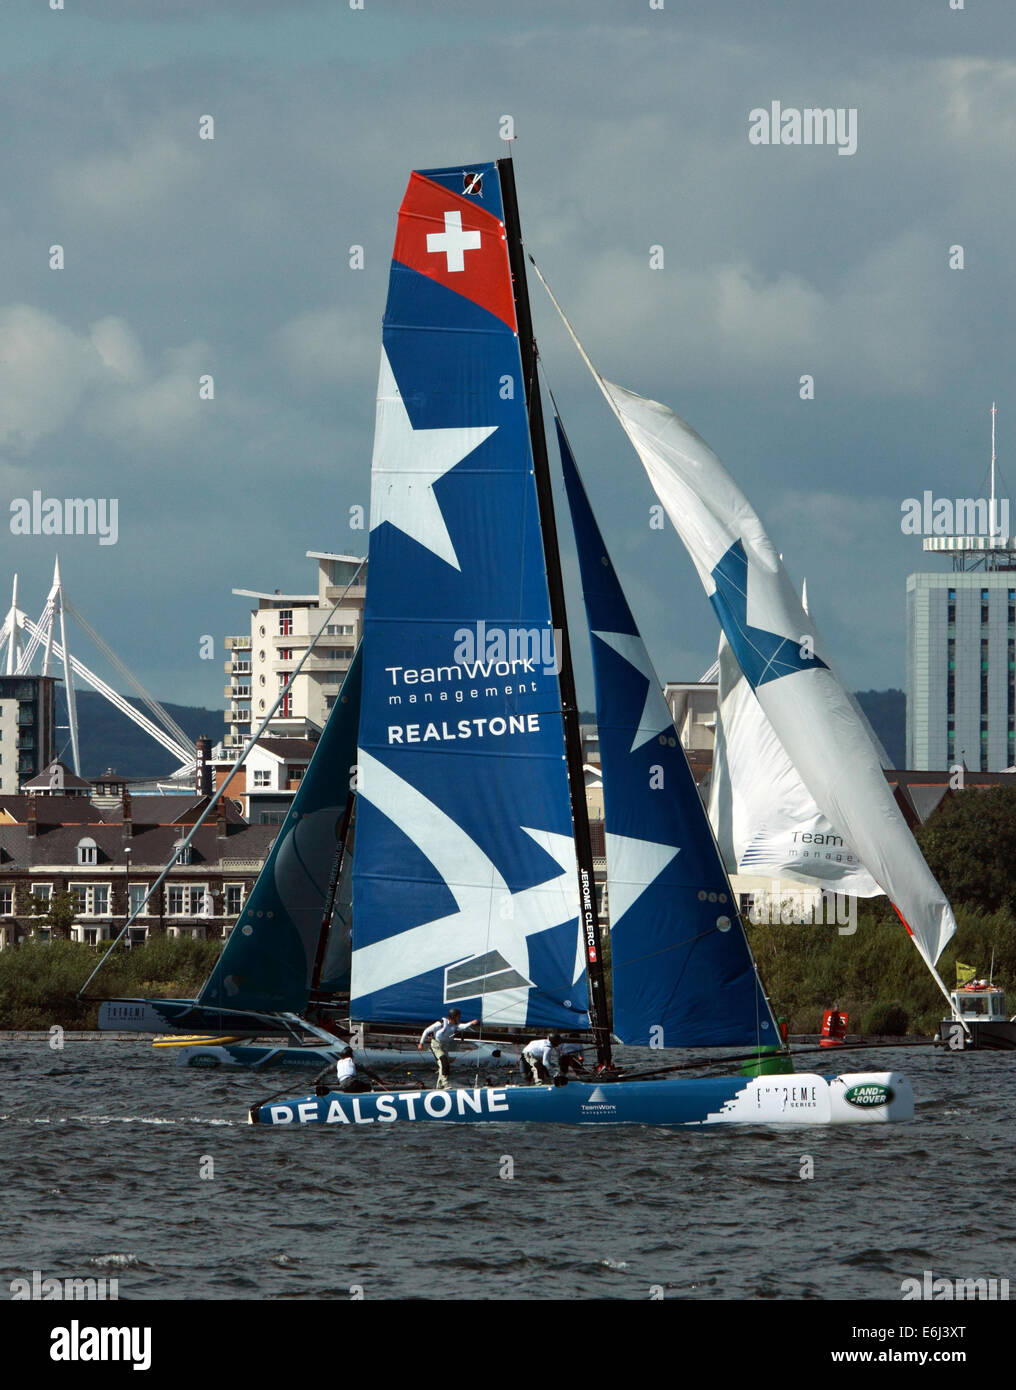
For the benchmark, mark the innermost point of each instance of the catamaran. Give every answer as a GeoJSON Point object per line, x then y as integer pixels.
{"type": "Point", "coordinates": [472, 878]}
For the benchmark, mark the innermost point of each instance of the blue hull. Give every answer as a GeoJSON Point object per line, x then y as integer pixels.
{"type": "Point", "coordinates": [793, 1099]}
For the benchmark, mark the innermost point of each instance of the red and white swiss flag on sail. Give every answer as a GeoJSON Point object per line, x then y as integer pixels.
{"type": "Point", "coordinates": [457, 243]}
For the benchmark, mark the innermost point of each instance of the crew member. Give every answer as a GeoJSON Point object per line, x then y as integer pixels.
{"type": "Point", "coordinates": [569, 1056]}
{"type": "Point", "coordinates": [349, 1078]}
{"type": "Point", "coordinates": [439, 1035]}
{"type": "Point", "coordinates": [536, 1059]}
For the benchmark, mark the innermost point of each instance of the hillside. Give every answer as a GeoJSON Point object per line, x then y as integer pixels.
{"type": "Point", "coordinates": [109, 739]}
{"type": "Point", "coordinates": [887, 715]}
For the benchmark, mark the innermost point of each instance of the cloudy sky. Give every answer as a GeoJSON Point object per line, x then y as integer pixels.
{"type": "Point", "coordinates": [230, 257]}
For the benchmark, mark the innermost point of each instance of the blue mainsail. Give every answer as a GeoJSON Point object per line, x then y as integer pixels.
{"type": "Point", "coordinates": [464, 875]}
{"type": "Point", "coordinates": [268, 962]}
{"type": "Point", "coordinates": [683, 974]}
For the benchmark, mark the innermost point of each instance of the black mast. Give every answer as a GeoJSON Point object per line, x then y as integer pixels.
{"type": "Point", "coordinates": [598, 1014]}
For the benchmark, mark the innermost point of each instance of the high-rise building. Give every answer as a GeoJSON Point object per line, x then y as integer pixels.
{"type": "Point", "coordinates": [961, 637]}
{"type": "Point", "coordinates": [282, 626]}
{"type": "Point", "coordinates": [961, 669]}
{"type": "Point", "coordinates": [27, 728]}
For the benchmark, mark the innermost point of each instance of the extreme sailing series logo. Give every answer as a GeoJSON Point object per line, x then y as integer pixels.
{"type": "Point", "coordinates": [488, 663]}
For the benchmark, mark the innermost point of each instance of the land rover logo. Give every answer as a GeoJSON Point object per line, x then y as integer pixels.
{"type": "Point", "coordinates": [872, 1093]}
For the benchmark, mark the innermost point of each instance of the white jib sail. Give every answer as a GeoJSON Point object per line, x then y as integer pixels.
{"type": "Point", "coordinates": [764, 819]}
{"type": "Point", "coordinates": [784, 658]}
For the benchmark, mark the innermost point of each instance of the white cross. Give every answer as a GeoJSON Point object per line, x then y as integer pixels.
{"type": "Point", "coordinates": [453, 241]}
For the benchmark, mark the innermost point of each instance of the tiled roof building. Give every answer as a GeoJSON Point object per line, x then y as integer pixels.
{"type": "Point", "coordinates": [109, 853]}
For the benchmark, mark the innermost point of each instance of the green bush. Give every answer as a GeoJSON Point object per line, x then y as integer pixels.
{"type": "Point", "coordinates": [887, 1020]}
{"type": "Point", "coordinates": [39, 981]}
{"type": "Point", "coordinates": [809, 968]}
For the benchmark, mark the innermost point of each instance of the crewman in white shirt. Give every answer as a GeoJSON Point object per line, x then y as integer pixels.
{"type": "Point", "coordinates": [439, 1035]}
{"type": "Point", "coordinates": [536, 1059]}
{"type": "Point", "coordinates": [348, 1079]}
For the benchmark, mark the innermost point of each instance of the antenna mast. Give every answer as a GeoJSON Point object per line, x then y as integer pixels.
{"type": "Point", "coordinates": [993, 528]}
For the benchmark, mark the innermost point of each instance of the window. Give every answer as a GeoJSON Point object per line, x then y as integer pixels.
{"type": "Point", "coordinates": [6, 901]}
{"type": "Point", "coordinates": [138, 893]}
{"type": "Point", "coordinates": [91, 899]}
{"type": "Point", "coordinates": [285, 653]}
{"type": "Point", "coordinates": [285, 622]}
{"type": "Point", "coordinates": [339, 630]}
{"type": "Point", "coordinates": [234, 899]}
{"type": "Point", "coordinates": [188, 900]}
{"type": "Point", "coordinates": [271, 817]}
{"type": "Point", "coordinates": [43, 895]}
{"type": "Point", "coordinates": [262, 777]}
{"type": "Point", "coordinates": [88, 852]}
{"type": "Point", "coordinates": [286, 708]}
{"type": "Point", "coordinates": [186, 855]}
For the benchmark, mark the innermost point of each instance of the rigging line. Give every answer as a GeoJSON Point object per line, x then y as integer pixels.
{"type": "Point", "coordinates": [574, 337]}
{"type": "Point", "coordinates": [185, 843]}
{"type": "Point", "coordinates": [165, 719]}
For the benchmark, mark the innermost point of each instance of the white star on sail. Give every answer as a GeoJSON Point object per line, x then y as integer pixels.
{"type": "Point", "coordinates": [408, 462]}
{"type": "Point", "coordinates": [632, 865]}
{"type": "Point", "coordinates": [656, 717]}
{"type": "Point", "coordinates": [488, 916]}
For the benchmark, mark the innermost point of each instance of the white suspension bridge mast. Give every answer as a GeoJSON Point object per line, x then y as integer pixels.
{"type": "Point", "coordinates": [23, 638]}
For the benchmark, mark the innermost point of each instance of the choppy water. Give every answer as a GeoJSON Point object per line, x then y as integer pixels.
{"type": "Point", "coordinates": [102, 1146]}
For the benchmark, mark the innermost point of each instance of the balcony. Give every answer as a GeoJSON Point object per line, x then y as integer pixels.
{"type": "Point", "coordinates": [237, 692]}
{"type": "Point", "coordinates": [237, 668]}
{"type": "Point", "coordinates": [238, 644]}
{"type": "Point", "coordinates": [327, 663]}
